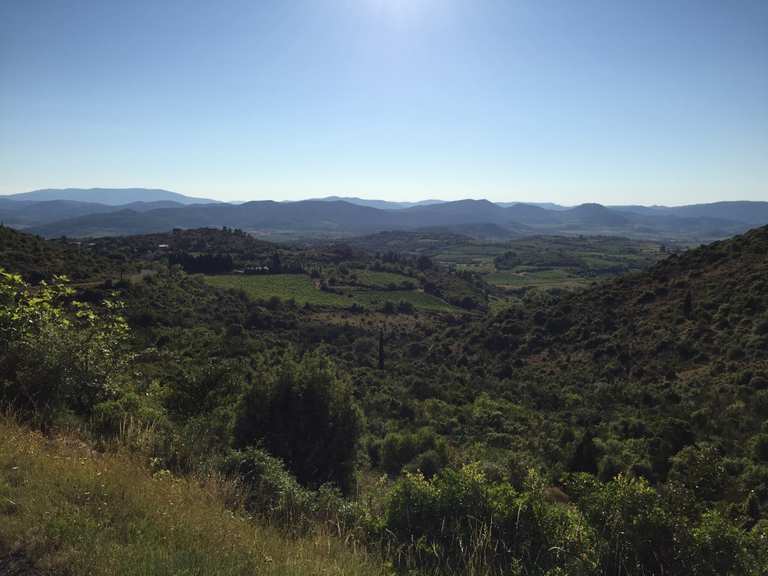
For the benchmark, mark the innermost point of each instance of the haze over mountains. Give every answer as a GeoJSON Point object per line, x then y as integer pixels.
{"type": "Point", "coordinates": [100, 212]}
{"type": "Point", "coordinates": [109, 196]}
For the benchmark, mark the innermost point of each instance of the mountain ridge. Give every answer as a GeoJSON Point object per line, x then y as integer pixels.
{"type": "Point", "coordinates": [344, 218]}
{"type": "Point", "coordinates": [155, 210]}
{"type": "Point", "coordinates": [109, 196]}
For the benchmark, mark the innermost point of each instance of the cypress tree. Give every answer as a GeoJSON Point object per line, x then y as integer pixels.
{"type": "Point", "coordinates": [585, 457]}
{"type": "Point", "coordinates": [381, 349]}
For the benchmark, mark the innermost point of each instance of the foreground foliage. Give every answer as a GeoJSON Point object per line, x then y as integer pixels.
{"type": "Point", "coordinates": [461, 522]}
{"type": "Point", "coordinates": [74, 511]}
{"type": "Point", "coordinates": [57, 355]}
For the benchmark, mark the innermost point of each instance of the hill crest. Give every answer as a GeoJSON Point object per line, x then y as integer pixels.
{"type": "Point", "coordinates": [109, 196]}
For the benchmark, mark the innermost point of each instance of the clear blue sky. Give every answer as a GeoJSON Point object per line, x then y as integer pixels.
{"type": "Point", "coordinates": [533, 100]}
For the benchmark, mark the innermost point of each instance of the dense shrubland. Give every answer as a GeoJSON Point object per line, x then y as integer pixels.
{"type": "Point", "coordinates": [36, 259]}
{"type": "Point", "coordinates": [618, 430]}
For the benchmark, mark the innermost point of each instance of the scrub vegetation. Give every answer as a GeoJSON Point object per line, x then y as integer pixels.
{"type": "Point", "coordinates": [235, 407]}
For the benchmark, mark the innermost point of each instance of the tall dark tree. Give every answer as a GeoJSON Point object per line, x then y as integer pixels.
{"type": "Point", "coordinates": [275, 266]}
{"type": "Point", "coordinates": [586, 455]}
{"type": "Point", "coordinates": [688, 305]}
{"type": "Point", "coordinates": [381, 349]}
{"type": "Point", "coordinates": [307, 416]}
{"type": "Point", "coordinates": [424, 263]}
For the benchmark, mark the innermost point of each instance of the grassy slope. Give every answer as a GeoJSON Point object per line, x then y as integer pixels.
{"type": "Point", "coordinates": [74, 511]}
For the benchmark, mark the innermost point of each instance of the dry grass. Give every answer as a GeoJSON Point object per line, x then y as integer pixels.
{"type": "Point", "coordinates": [75, 511]}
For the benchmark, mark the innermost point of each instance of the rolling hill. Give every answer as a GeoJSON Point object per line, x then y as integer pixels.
{"type": "Point", "coordinates": [661, 367]}
{"type": "Point", "coordinates": [340, 218]}
{"type": "Point", "coordinates": [708, 302]}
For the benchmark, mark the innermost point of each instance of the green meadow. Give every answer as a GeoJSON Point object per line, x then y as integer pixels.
{"type": "Point", "coordinates": [304, 290]}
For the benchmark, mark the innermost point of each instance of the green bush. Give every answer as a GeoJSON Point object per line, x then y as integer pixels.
{"type": "Point", "coordinates": [272, 491]}
{"type": "Point", "coordinates": [701, 469]}
{"type": "Point", "coordinates": [306, 415]}
{"type": "Point", "coordinates": [644, 531]}
{"type": "Point", "coordinates": [721, 549]}
{"type": "Point", "coordinates": [274, 494]}
{"type": "Point", "coordinates": [461, 521]}
{"type": "Point", "coordinates": [636, 530]}
{"type": "Point", "coordinates": [111, 416]}
{"type": "Point", "coordinates": [57, 355]}
{"type": "Point", "coordinates": [422, 450]}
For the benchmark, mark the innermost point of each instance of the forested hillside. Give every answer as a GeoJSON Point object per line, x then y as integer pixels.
{"type": "Point", "coordinates": [37, 259]}
{"type": "Point", "coordinates": [654, 368]}
{"type": "Point", "coordinates": [433, 423]}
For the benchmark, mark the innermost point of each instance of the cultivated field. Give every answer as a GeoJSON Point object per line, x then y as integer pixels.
{"type": "Point", "coordinates": [304, 290]}
{"type": "Point", "coordinates": [532, 278]}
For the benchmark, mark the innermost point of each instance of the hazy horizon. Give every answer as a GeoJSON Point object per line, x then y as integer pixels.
{"type": "Point", "coordinates": [378, 199]}
{"type": "Point", "coordinates": [546, 101]}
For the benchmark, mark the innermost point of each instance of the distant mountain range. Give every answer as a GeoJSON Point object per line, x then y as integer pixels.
{"type": "Point", "coordinates": [54, 213]}
{"type": "Point", "coordinates": [387, 205]}
{"type": "Point", "coordinates": [108, 196]}
{"type": "Point", "coordinates": [380, 204]}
